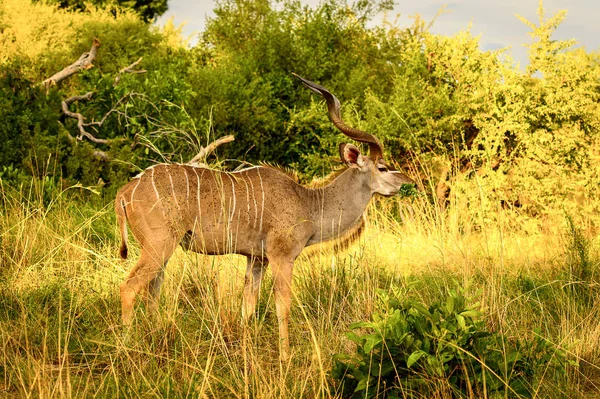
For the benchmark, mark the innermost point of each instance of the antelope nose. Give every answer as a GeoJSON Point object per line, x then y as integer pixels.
{"type": "Point", "coordinates": [408, 181]}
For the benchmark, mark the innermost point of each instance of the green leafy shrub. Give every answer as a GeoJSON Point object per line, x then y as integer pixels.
{"type": "Point", "coordinates": [411, 350]}
{"type": "Point", "coordinates": [529, 138]}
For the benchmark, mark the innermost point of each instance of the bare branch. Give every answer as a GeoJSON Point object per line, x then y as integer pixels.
{"type": "Point", "coordinates": [129, 69]}
{"type": "Point", "coordinates": [81, 125]}
{"type": "Point", "coordinates": [96, 154]}
{"type": "Point", "coordinates": [80, 118]}
{"type": "Point", "coordinates": [205, 151]}
{"type": "Point", "coordinates": [100, 155]}
{"type": "Point", "coordinates": [71, 100]}
{"type": "Point", "coordinates": [84, 62]}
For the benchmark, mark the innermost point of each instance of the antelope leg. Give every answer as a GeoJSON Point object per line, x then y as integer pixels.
{"type": "Point", "coordinates": [147, 273]}
{"type": "Point", "coordinates": [282, 279]}
{"type": "Point", "coordinates": [254, 274]}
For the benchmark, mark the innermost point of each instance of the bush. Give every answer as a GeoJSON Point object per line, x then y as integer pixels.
{"type": "Point", "coordinates": [410, 350]}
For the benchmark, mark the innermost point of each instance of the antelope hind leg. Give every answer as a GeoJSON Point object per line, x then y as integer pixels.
{"type": "Point", "coordinates": [147, 274]}
{"type": "Point", "coordinates": [254, 273]}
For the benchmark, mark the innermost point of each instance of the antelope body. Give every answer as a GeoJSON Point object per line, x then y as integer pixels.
{"type": "Point", "coordinates": [259, 212]}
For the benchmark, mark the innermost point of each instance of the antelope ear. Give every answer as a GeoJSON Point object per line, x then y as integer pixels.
{"type": "Point", "coordinates": [351, 155]}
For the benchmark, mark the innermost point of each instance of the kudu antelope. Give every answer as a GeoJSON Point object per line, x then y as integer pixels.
{"type": "Point", "coordinates": [259, 212]}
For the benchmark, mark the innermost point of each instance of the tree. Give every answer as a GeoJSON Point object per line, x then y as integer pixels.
{"type": "Point", "coordinates": [254, 47]}
{"type": "Point", "coordinates": [149, 10]}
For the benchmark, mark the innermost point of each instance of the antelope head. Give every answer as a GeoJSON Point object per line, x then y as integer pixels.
{"type": "Point", "coordinates": [380, 176]}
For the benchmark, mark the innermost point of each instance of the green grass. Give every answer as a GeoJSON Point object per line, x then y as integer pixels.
{"type": "Point", "coordinates": [60, 331]}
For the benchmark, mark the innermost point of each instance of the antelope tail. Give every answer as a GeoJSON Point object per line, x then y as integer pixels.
{"type": "Point", "coordinates": [122, 220]}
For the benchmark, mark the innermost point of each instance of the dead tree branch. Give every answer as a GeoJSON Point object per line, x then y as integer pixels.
{"type": "Point", "coordinates": [101, 155]}
{"type": "Point", "coordinates": [84, 62]}
{"type": "Point", "coordinates": [200, 158]}
{"type": "Point", "coordinates": [96, 154]}
{"type": "Point", "coordinates": [129, 69]}
{"type": "Point", "coordinates": [81, 125]}
{"type": "Point", "coordinates": [80, 118]}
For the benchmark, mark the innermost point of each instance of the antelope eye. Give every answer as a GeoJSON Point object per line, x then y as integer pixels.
{"type": "Point", "coordinates": [382, 168]}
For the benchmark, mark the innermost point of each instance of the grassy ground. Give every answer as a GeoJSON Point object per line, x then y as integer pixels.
{"type": "Point", "coordinates": [59, 305]}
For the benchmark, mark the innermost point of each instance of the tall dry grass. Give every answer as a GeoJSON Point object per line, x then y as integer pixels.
{"type": "Point", "coordinates": [60, 326]}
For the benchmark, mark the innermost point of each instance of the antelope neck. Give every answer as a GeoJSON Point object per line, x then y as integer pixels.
{"type": "Point", "coordinates": [339, 206]}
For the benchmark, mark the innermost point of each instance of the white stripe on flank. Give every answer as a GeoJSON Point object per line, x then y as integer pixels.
{"type": "Point", "coordinates": [154, 185]}
{"type": "Point", "coordinates": [133, 192]}
{"type": "Point", "coordinates": [232, 193]}
{"type": "Point", "coordinates": [247, 169]}
{"type": "Point", "coordinates": [221, 188]}
{"type": "Point", "coordinates": [150, 168]}
{"type": "Point", "coordinates": [247, 196]}
{"type": "Point", "coordinates": [262, 211]}
{"type": "Point", "coordinates": [187, 184]}
{"type": "Point", "coordinates": [172, 188]}
{"type": "Point", "coordinates": [147, 169]}
{"type": "Point", "coordinates": [198, 191]}
{"type": "Point", "coordinates": [255, 205]}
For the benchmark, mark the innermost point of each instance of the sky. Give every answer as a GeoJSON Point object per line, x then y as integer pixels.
{"type": "Point", "coordinates": [494, 21]}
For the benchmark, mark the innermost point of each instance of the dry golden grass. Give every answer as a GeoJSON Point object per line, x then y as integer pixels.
{"type": "Point", "coordinates": [60, 313]}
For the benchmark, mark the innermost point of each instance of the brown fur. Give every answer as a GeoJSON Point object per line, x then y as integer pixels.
{"type": "Point", "coordinates": [325, 180]}
{"type": "Point", "coordinates": [340, 243]}
{"type": "Point", "coordinates": [291, 173]}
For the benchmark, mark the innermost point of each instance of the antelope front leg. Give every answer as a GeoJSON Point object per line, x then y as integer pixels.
{"type": "Point", "coordinates": [254, 274]}
{"type": "Point", "coordinates": [282, 279]}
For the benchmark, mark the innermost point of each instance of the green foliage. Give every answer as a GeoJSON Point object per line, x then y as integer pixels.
{"type": "Point", "coordinates": [411, 350]}
{"type": "Point", "coordinates": [148, 10]}
{"type": "Point", "coordinates": [137, 114]}
{"type": "Point", "coordinates": [254, 47]}
{"type": "Point", "coordinates": [27, 116]}
{"type": "Point", "coordinates": [581, 263]}
{"type": "Point", "coordinates": [408, 191]}
{"type": "Point", "coordinates": [529, 138]}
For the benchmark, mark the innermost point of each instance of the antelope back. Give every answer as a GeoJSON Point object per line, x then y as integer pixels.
{"type": "Point", "coordinates": [213, 212]}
